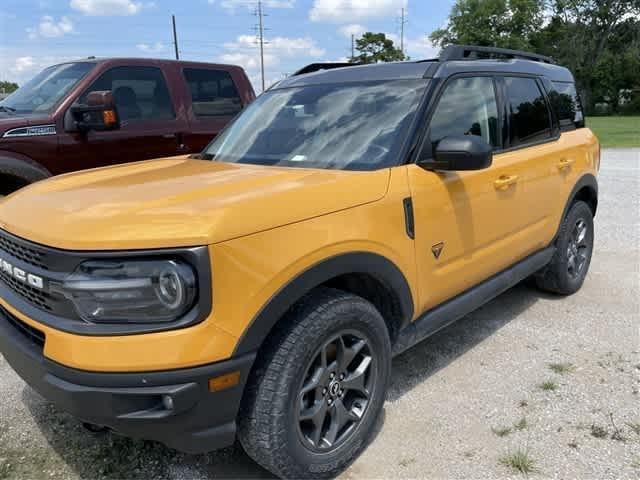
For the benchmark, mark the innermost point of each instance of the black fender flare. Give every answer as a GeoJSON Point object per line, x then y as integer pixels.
{"type": "Point", "coordinates": [587, 180]}
{"type": "Point", "coordinates": [22, 167]}
{"type": "Point", "coordinates": [373, 264]}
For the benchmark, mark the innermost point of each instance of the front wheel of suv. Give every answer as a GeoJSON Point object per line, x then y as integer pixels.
{"type": "Point", "coordinates": [318, 387]}
{"type": "Point", "coordinates": [568, 268]}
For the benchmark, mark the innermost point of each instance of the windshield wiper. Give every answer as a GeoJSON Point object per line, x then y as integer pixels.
{"type": "Point", "coordinates": [4, 108]}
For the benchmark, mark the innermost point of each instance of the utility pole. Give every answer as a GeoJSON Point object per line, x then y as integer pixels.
{"type": "Point", "coordinates": [261, 37]}
{"type": "Point", "coordinates": [175, 36]}
{"type": "Point", "coordinates": [402, 22]}
{"type": "Point", "coordinates": [353, 48]}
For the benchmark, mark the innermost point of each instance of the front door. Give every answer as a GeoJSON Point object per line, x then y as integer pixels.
{"type": "Point", "coordinates": [468, 225]}
{"type": "Point", "coordinates": [149, 127]}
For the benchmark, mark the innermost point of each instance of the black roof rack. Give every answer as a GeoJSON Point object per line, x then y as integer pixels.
{"type": "Point", "coordinates": [470, 52]}
{"type": "Point", "coordinates": [315, 67]}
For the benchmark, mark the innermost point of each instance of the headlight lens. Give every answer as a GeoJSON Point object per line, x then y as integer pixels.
{"type": "Point", "coordinates": [129, 291]}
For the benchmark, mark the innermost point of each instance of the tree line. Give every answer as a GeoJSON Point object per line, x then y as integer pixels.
{"type": "Point", "coordinates": [598, 40]}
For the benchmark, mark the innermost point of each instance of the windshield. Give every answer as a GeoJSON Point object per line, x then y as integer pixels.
{"type": "Point", "coordinates": [352, 127]}
{"type": "Point", "coordinates": [43, 92]}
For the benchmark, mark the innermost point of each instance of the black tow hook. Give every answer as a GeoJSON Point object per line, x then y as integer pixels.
{"type": "Point", "coordinates": [95, 429]}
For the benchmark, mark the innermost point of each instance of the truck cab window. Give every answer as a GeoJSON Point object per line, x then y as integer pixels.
{"type": "Point", "coordinates": [140, 93]}
{"type": "Point", "coordinates": [213, 93]}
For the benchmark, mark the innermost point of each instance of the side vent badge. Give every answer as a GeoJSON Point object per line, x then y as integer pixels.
{"type": "Point", "coordinates": [437, 250]}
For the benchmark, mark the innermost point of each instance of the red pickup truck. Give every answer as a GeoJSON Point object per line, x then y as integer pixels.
{"type": "Point", "coordinates": [99, 112]}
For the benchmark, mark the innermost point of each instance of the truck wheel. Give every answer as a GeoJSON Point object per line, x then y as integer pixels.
{"type": "Point", "coordinates": [568, 268]}
{"type": "Point", "coordinates": [10, 184]}
{"type": "Point", "coordinates": [318, 387]}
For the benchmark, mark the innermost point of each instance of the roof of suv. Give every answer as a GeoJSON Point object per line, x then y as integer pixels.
{"type": "Point", "coordinates": [453, 59]}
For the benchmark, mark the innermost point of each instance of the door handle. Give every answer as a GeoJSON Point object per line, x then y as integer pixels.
{"type": "Point", "coordinates": [565, 163]}
{"type": "Point", "coordinates": [505, 181]}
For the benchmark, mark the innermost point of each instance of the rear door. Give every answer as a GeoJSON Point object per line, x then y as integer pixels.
{"type": "Point", "coordinates": [213, 100]}
{"type": "Point", "coordinates": [533, 145]}
{"type": "Point", "coordinates": [149, 127]}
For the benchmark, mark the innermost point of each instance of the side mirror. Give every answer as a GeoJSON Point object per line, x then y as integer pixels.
{"type": "Point", "coordinates": [98, 114]}
{"type": "Point", "coordinates": [466, 152]}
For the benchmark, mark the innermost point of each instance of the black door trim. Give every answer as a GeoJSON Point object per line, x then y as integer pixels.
{"type": "Point", "coordinates": [450, 311]}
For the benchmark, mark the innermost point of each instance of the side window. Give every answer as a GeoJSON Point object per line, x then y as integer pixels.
{"type": "Point", "coordinates": [140, 93]}
{"type": "Point", "coordinates": [530, 120]}
{"type": "Point", "coordinates": [213, 93]}
{"type": "Point", "coordinates": [566, 103]}
{"type": "Point", "coordinates": [467, 107]}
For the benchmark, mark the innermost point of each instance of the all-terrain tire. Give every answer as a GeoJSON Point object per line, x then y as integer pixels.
{"type": "Point", "coordinates": [269, 427]}
{"type": "Point", "coordinates": [562, 275]}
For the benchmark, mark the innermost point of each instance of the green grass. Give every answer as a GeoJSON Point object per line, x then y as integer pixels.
{"type": "Point", "coordinates": [548, 385]}
{"type": "Point", "coordinates": [520, 461]}
{"type": "Point", "coordinates": [561, 368]}
{"type": "Point", "coordinates": [501, 431]}
{"type": "Point", "coordinates": [522, 424]}
{"type": "Point", "coordinates": [616, 131]}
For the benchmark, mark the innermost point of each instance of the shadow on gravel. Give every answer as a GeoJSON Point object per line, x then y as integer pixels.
{"type": "Point", "coordinates": [111, 456]}
{"type": "Point", "coordinates": [436, 352]}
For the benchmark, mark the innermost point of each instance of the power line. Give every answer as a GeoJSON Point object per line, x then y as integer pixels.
{"type": "Point", "coordinates": [353, 52]}
{"type": "Point", "coordinates": [175, 36]}
{"type": "Point", "coordinates": [402, 23]}
{"type": "Point", "coordinates": [260, 14]}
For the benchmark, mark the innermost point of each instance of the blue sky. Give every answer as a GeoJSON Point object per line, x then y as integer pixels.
{"type": "Point", "coordinates": [37, 33]}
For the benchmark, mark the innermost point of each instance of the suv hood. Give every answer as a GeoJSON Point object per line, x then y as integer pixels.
{"type": "Point", "coordinates": [178, 202]}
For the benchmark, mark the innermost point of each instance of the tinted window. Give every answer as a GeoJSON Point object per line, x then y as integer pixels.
{"type": "Point", "coordinates": [213, 93]}
{"type": "Point", "coordinates": [140, 93]}
{"type": "Point", "coordinates": [467, 107]}
{"type": "Point", "coordinates": [352, 126]}
{"type": "Point", "coordinates": [566, 103]}
{"type": "Point", "coordinates": [530, 121]}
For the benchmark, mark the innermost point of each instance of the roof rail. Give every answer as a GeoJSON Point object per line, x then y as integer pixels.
{"type": "Point", "coordinates": [469, 52]}
{"type": "Point", "coordinates": [315, 67]}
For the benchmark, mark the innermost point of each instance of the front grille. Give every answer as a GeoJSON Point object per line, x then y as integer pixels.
{"type": "Point", "coordinates": [33, 295]}
{"type": "Point", "coordinates": [32, 334]}
{"type": "Point", "coordinates": [26, 254]}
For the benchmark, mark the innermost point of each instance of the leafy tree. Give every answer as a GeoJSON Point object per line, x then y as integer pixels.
{"type": "Point", "coordinates": [376, 47]}
{"type": "Point", "coordinates": [8, 87]}
{"type": "Point", "coordinates": [598, 40]}
{"type": "Point", "coordinates": [497, 23]}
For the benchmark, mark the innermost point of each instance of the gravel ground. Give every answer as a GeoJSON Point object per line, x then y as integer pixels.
{"type": "Point", "coordinates": [460, 403]}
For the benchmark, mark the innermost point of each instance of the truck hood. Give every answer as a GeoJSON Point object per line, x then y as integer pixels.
{"type": "Point", "coordinates": [9, 121]}
{"type": "Point", "coordinates": [177, 202]}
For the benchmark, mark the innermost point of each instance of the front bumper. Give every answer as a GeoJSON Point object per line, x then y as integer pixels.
{"type": "Point", "coordinates": [132, 403]}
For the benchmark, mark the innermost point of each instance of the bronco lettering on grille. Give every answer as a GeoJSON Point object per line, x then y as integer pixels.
{"type": "Point", "coordinates": [22, 276]}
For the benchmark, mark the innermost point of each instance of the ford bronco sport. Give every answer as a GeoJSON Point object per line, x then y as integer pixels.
{"type": "Point", "coordinates": [262, 289]}
{"type": "Point", "coordinates": [54, 124]}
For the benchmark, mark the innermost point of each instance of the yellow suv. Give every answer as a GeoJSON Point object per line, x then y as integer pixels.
{"type": "Point", "coordinates": [261, 289]}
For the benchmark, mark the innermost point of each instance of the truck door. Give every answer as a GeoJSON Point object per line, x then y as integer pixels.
{"type": "Point", "coordinates": [149, 127]}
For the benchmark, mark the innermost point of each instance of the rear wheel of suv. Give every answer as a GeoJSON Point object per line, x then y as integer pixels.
{"type": "Point", "coordinates": [320, 383]}
{"type": "Point", "coordinates": [568, 268]}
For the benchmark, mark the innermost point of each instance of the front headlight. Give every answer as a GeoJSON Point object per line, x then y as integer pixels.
{"type": "Point", "coordinates": [131, 291]}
